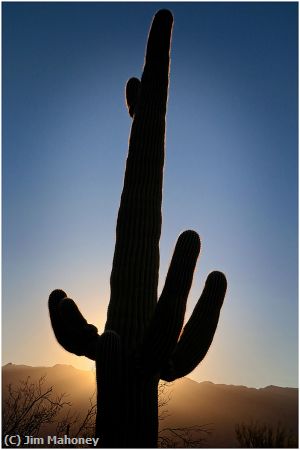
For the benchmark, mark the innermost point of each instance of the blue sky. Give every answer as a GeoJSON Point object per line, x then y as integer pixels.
{"type": "Point", "coordinates": [231, 170]}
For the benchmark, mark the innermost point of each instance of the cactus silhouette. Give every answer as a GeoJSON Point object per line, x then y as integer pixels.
{"type": "Point", "coordinates": [143, 340]}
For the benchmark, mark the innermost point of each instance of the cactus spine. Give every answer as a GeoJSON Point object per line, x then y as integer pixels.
{"type": "Point", "coordinates": [143, 340]}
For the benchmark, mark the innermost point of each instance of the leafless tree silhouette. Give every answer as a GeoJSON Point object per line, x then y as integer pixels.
{"type": "Point", "coordinates": [28, 406]}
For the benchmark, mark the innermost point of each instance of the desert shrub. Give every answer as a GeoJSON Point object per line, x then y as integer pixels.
{"type": "Point", "coordinates": [261, 435]}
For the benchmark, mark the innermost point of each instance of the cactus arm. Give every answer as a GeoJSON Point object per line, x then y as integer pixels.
{"type": "Point", "coordinates": [134, 276]}
{"type": "Point", "coordinates": [109, 396]}
{"type": "Point", "coordinates": [133, 89]}
{"type": "Point", "coordinates": [70, 327]}
{"type": "Point", "coordinates": [165, 326]}
{"type": "Point", "coordinates": [199, 331]}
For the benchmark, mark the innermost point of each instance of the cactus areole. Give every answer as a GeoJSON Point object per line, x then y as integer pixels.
{"type": "Point", "coordinates": [143, 340]}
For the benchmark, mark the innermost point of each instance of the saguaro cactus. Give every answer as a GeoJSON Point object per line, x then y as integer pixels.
{"type": "Point", "coordinates": [143, 340]}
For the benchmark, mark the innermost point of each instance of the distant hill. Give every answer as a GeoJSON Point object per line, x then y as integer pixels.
{"type": "Point", "coordinates": [226, 405]}
{"type": "Point", "coordinates": [191, 403]}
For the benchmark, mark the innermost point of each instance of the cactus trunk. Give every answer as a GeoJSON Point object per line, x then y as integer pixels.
{"type": "Point", "coordinates": [127, 403]}
{"type": "Point", "coordinates": [143, 340]}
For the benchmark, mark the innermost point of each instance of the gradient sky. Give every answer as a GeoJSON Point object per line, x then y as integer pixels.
{"type": "Point", "coordinates": [231, 170]}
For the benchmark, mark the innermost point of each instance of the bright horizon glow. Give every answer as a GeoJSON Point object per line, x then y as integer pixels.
{"type": "Point", "coordinates": [230, 172]}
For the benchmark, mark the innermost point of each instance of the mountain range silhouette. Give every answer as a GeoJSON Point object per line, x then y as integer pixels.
{"type": "Point", "coordinates": [219, 407]}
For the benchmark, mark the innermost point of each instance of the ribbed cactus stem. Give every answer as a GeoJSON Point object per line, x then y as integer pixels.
{"type": "Point", "coordinates": [134, 276]}
{"type": "Point", "coordinates": [143, 339]}
{"type": "Point", "coordinates": [133, 91]}
{"type": "Point", "coordinates": [109, 394]}
{"type": "Point", "coordinates": [166, 324]}
{"type": "Point", "coordinates": [70, 328]}
{"type": "Point", "coordinates": [198, 333]}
